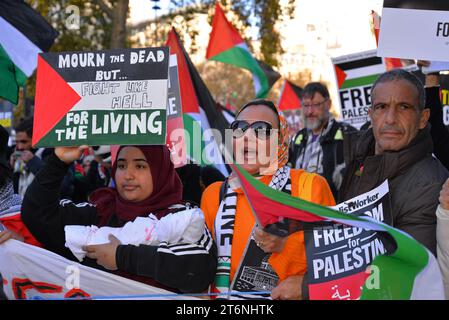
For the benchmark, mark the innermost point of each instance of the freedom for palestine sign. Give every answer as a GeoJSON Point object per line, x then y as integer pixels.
{"type": "Point", "coordinates": [101, 97]}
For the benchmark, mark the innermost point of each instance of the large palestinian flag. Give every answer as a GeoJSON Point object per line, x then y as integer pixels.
{"type": "Point", "coordinates": [227, 46]}
{"type": "Point", "coordinates": [200, 112]}
{"type": "Point", "coordinates": [24, 34]}
{"type": "Point", "coordinates": [410, 272]}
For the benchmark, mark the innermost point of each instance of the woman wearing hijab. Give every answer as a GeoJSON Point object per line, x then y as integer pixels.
{"type": "Point", "coordinates": [146, 183]}
{"type": "Point", "coordinates": [250, 259]}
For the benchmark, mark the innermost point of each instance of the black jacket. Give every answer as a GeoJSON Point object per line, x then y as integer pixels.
{"type": "Point", "coordinates": [332, 146]}
{"type": "Point", "coordinates": [439, 132]}
{"type": "Point", "coordinates": [168, 265]}
{"type": "Point", "coordinates": [415, 179]}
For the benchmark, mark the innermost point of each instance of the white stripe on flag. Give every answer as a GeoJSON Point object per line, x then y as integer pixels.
{"type": "Point", "coordinates": [428, 283]}
{"type": "Point", "coordinates": [19, 48]}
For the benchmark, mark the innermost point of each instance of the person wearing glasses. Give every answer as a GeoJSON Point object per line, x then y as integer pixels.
{"type": "Point", "coordinates": [318, 147]}
{"type": "Point", "coordinates": [251, 259]}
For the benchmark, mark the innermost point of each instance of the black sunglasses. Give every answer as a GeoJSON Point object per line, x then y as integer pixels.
{"type": "Point", "coordinates": [261, 129]}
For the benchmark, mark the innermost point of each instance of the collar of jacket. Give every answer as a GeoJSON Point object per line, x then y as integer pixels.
{"type": "Point", "coordinates": [327, 134]}
{"type": "Point", "coordinates": [393, 163]}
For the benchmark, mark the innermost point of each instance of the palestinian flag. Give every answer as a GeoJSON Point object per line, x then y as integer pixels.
{"type": "Point", "coordinates": [200, 112]}
{"type": "Point", "coordinates": [290, 97]}
{"type": "Point", "coordinates": [227, 46]}
{"type": "Point", "coordinates": [24, 34]}
{"type": "Point", "coordinates": [410, 272]}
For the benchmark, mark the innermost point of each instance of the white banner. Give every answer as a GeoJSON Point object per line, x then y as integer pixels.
{"type": "Point", "coordinates": [31, 272]}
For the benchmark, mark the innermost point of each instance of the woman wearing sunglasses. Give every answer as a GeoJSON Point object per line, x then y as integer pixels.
{"type": "Point", "coordinates": [250, 259]}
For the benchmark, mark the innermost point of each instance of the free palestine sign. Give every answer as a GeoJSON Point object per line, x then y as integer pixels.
{"type": "Point", "coordinates": [101, 97]}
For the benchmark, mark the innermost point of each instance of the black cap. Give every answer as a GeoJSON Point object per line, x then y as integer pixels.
{"type": "Point", "coordinates": [4, 137]}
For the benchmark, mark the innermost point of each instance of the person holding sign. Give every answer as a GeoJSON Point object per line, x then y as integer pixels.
{"type": "Point", "coordinates": [244, 264]}
{"type": "Point", "coordinates": [146, 183]}
{"type": "Point", "coordinates": [398, 147]}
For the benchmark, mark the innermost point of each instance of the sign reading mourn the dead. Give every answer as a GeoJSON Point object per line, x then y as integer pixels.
{"type": "Point", "coordinates": [103, 97]}
{"type": "Point", "coordinates": [338, 255]}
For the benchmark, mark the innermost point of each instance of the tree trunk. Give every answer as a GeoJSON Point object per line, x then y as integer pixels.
{"type": "Point", "coordinates": [119, 15]}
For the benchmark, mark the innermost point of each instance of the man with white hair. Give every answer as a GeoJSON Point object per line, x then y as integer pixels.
{"type": "Point", "coordinates": [318, 147]}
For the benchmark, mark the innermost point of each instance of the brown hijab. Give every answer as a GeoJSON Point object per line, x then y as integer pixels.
{"type": "Point", "coordinates": [167, 191]}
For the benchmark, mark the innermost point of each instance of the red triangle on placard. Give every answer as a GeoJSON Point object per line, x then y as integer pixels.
{"type": "Point", "coordinates": [54, 98]}
{"type": "Point", "coordinates": [341, 76]}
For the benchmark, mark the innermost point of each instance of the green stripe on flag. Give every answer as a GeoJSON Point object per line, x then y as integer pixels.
{"type": "Point", "coordinates": [8, 83]}
{"type": "Point", "coordinates": [194, 142]}
{"type": "Point", "coordinates": [359, 82]}
{"type": "Point", "coordinates": [398, 271]}
{"type": "Point", "coordinates": [242, 58]}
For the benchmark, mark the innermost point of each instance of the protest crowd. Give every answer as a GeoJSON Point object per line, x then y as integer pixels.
{"type": "Point", "coordinates": [269, 222]}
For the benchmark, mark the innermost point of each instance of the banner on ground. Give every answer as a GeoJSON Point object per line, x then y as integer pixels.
{"type": "Point", "coordinates": [415, 29]}
{"type": "Point", "coordinates": [30, 272]}
{"type": "Point", "coordinates": [101, 97]}
{"type": "Point", "coordinates": [338, 255]}
{"type": "Point", "coordinates": [355, 74]}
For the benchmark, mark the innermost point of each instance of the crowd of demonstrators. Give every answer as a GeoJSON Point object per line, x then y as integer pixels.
{"type": "Point", "coordinates": [145, 182]}
{"type": "Point", "coordinates": [225, 204]}
{"type": "Point", "coordinates": [26, 161]}
{"type": "Point", "coordinates": [318, 147]}
{"type": "Point", "coordinates": [91, 172]}
{"type": "Point", "coordinates": [398, 147]}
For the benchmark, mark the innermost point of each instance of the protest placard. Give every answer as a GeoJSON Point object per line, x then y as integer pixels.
{"type": "Point", "coordinates": [338, 255]}
{"type": "Point", "coordinates": [415, 29]}
{"type": "Point", "coordinates": [102, 97]}
{"type": "Point", "coordinates": [355, 74]}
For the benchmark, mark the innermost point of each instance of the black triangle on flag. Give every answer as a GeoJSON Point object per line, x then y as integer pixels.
{"type": "Point", "coordinates": [270, 73]}
{"type": "Point", "coordinates": [297, 89]}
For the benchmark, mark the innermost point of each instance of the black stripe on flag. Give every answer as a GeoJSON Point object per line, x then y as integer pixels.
{"type": "Point", "coordinates": [360, 63]}
{"type": "Point", "coordinates": [28, 22]}
{"type": "Point", "coordinates": [270, 73]}
{"type": "Point", "coordinates": [441, 5]}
